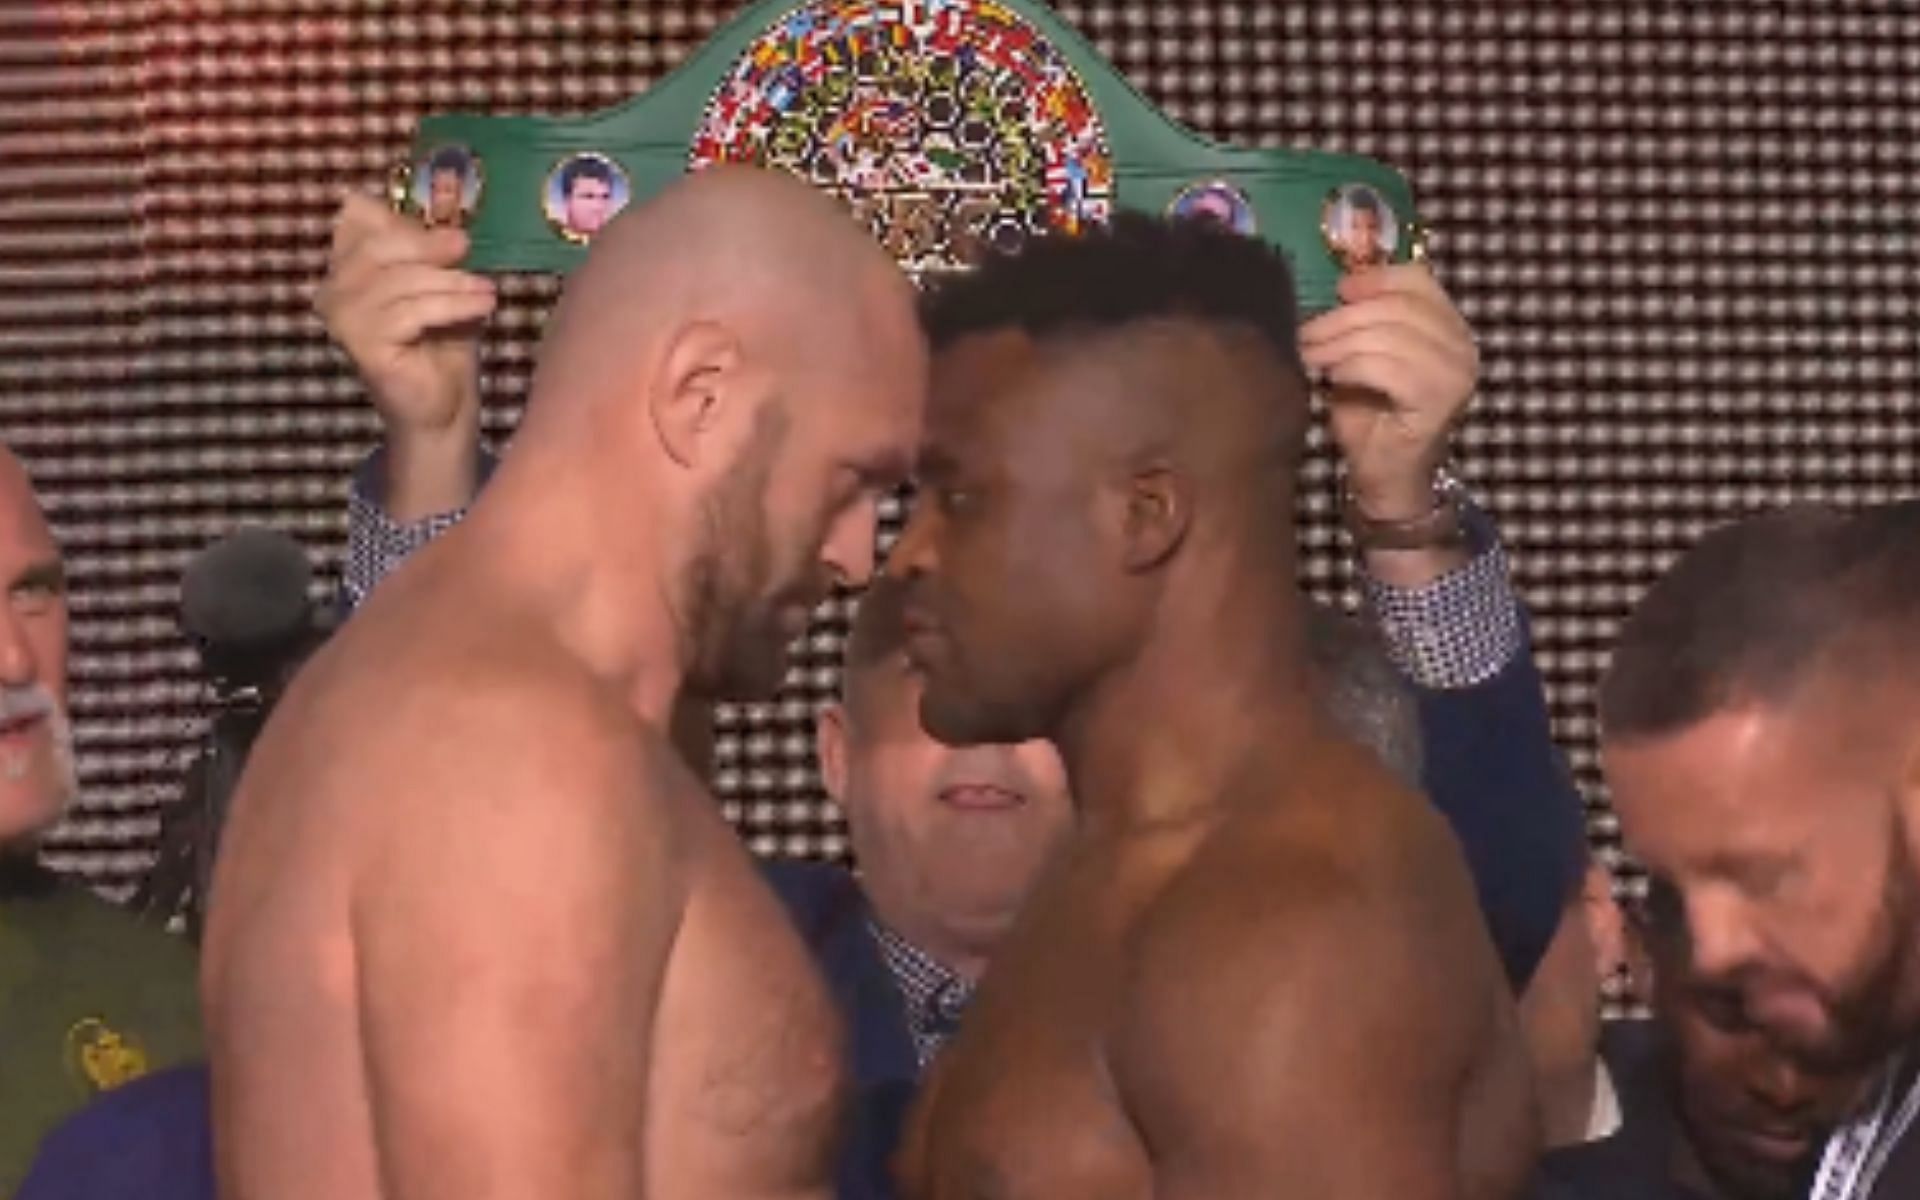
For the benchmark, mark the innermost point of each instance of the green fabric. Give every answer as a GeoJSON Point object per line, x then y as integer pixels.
{"type": "Point", "coordinates": [652, 137]}
{"type": "Point", "coordinates": [89, 997]}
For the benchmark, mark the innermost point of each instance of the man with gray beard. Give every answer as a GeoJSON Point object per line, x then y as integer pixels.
{"type": "Point", "coordinates": [89, 998]}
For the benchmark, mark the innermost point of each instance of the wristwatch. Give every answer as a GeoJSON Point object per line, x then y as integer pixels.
{"type": "Point", "coordinates": [1440, 526]}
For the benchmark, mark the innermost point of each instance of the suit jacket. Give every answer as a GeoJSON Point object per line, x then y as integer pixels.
{"type": "Point", "coordinates": [1493, 770]}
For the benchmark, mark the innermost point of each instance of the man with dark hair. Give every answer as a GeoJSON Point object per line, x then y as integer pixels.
{"type": "Point", "coordinates": [447, 188]}
{"type": "Point", "coordinates": [586, 194]}
{"type": "Point", "coordinates": [1363, 243]}
{"type": "Point", "coordinates": [1693, 1104]}
{"type": "Point", "coordinates": [1752, 1120]}
{"type": "Point", "coordinates": [1761, 736]}
{"type": "Point", "coordinates": [1212, 989]}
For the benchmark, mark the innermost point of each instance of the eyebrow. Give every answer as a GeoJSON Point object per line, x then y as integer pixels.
{"type": "Point", "coordinates": [50, 575]}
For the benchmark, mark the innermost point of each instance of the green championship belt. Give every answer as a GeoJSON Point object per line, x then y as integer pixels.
{"type": "Point", "coordinates": [946, 124]}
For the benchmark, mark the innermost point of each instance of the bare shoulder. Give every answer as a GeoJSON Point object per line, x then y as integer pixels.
{"type": "Point", "coordinates": [1340, 911]}
{"type": "Point", "coordinates": [509, 756]}
{"type": "Point", "coordinates": [1351, 1013]}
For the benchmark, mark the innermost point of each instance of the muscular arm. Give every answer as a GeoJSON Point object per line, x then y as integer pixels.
{"type": "Point", "coordinates": [510, 938]}
{"type": "Point", "coordinates": [1334, 1059]}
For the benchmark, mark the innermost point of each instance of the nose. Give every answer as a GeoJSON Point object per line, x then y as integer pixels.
{"type": "Point", "coordinates": [1722, 939]}
{"type": "Point", "coordinates": [849, 550]}
{"type": "Point", "coordinates": [1777, 1083]}
{"type": "Point", "coordinates": [17, 664]}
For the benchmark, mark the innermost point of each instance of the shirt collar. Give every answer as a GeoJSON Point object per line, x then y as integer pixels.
{"type": "Point", "coordinates": [935, 995]}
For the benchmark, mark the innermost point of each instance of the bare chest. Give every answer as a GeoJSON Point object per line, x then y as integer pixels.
{"type": "Point", "coordinates": [1023, 1103]}
{"type": "Point", "coordinates": [746, 1081]}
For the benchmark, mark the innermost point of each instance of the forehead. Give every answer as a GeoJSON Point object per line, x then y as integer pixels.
{"type": "Point", "coordinates": [1752, 780]}
{"type": "Point", "coordinates": [24, 535]}
{"type": "Point", "coordinates": [1003, 389]}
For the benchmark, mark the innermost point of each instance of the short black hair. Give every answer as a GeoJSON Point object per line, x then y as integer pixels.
{"type": "Point", "coordinates": [584, 168]}
{"type": "Point", "coordinates": [449, 158]}
{"type": "Point", "coordinates": [1133, 268]}
{"type": "Point", "coordinates": [1365, 200]}
{"type": "Point", "coordinates": [1757, 605]}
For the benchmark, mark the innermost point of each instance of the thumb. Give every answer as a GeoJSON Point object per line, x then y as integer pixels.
{"type": "Point", "coordinates": [445, 247]}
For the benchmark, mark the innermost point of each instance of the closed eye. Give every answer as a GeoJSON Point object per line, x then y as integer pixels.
{"type": "Point", "coordinates": [39, 588]}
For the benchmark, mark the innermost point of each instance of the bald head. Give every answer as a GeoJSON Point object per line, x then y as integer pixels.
{"type": "Point", "coordinates": [778, 264]}
{"type": "Point", "coordinates": [742, 363]}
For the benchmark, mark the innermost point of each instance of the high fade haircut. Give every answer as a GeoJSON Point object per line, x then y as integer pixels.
{"type": "Point", "coordinates": [1758, 607]}
{"type": "Point", "coordinates": [1134, 268]}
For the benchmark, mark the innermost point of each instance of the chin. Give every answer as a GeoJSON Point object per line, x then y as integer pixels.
{"type": "Point", "coordinates": [953, 722]}
{"type": "Point", "coordinates": [25, 820]}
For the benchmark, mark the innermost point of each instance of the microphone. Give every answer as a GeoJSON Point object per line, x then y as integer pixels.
{"type": "Point", "coordinates": [244, 602]}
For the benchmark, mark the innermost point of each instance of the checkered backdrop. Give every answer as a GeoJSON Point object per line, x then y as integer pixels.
{"type": "Point", "coordinates": [1684, 232]}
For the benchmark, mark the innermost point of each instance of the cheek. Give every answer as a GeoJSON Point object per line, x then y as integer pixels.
{"type": "Point", "coordinates": [1042, 765]}
{"type": "Point", "coordinates": [49, 638]}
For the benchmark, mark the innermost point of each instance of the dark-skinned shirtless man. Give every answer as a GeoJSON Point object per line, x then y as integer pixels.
{"type": "Point", "coordinates": [477, 932]}
{"type": "Point", "coordinates": [1257, 969]}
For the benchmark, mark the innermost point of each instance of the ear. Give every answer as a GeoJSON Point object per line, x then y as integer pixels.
{"type": "Point", "coordinates": [690, 385]}
{"type": "Point", "coordinates": [1159, 508]}
{"type": "Point", "coordinates": [830, 743]}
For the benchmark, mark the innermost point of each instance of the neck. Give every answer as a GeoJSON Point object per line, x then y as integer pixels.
{"type": "Point", "coordinates": [608, 605]}
{"type": "Point", "coordinates": [965, 957]}
{"type": "Point", "coordinates": [1164, 736]}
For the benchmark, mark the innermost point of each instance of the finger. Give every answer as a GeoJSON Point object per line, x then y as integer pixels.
{"type": "Point", "coordinates": [1397, 278]}
{"type": "Point", "coordinates": [1391, 376]}
{"type": "Point", "coordinates": [1411, 341]}
{"type": "Point", "coordinates": [1432, 313]}
{"type": "Point", "coordinates": [359, 218]}
{"type": "Point", "coordinates": [404, 243]}
{"type": "Point", "coordinates": [346, 301]}
{"type": "Point", "coordinates": [410, 320]}
{"type": "Point", "coordinates": [384, 262]}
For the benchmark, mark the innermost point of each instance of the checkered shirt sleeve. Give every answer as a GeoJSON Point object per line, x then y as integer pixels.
{"type": "Point", "coordinates": [1456, 632]}
{"type": "Point", "coordinates": [376, 543]}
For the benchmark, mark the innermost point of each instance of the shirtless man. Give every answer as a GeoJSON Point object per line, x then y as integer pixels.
{"type": "Point", "coordinates": [1257, 968]}
{"type": "Point", "coordinates": [476, 931]}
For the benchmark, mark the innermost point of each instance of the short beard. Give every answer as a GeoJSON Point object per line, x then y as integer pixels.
{"type": "Point", "coordinates": [20, 870]}
{"type": "Point", "coordinates": [1864, 1009]}
{"type": "Point", "coordinates": [723, 634]}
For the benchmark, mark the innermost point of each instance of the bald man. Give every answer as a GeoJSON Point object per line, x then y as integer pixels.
{"type": "Point", "coordinates": [476, 930]}
{"type": "Point", "coordinates": [89, 998]}
{"type": "Point", "coordinates": [1257, 968]}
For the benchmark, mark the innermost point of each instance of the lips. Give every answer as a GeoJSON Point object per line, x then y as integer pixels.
{"type": "Point", "coordinates": [23, 726]}
{"type": "Point", "coordinates": [1776, 1145]}
{"type": "Point", "coordinates": [922, 635]}
{"type": "Point", "coordinates": [981, 797]}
